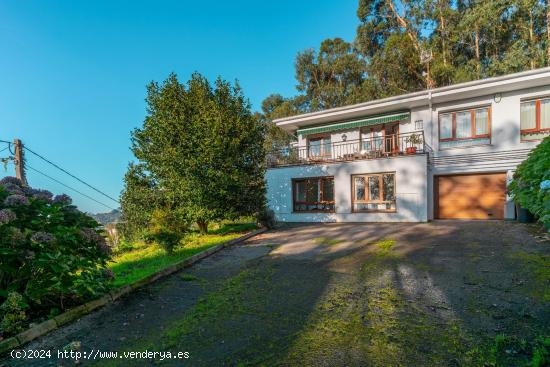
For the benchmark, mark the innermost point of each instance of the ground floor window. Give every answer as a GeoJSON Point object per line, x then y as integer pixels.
{"type": "Point", "coordinates": [373, 192]}
{"type": "Point", "coordinates": [315, 194]}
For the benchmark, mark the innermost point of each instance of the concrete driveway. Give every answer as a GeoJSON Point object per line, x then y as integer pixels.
{"type": "Point", "coordinates": [446, 293]}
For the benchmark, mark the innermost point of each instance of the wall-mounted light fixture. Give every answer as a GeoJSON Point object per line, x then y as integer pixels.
{"type": "Point", "coordinates": [344, 137]}
{"type": "Point", "coordinates": [497, 97]}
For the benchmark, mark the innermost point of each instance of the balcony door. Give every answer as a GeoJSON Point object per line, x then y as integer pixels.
{"type": "Point", "coordinates": [319, 147]}
{"type": "Point", "coordinates": [391, 132]}
{"type": "Point", "coordinates": [381, 138]}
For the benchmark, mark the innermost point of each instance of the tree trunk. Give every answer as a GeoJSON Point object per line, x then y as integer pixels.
{"type": "Point", "coordinates": [531, 40]}
{"type": "Point", "coordinates": [477, 51]}
{"type": "Point", "coordinates": [405, 25]}
{"type": "Point", "coordinates": [443, 35]}
{"type": "Point", "coordinates": [203, 227]}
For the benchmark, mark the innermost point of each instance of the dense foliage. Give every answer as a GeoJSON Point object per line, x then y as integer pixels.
{"type": "Point", "coordinates": [531, 184]}
{"type": "Point", "coordinates": [200, 158]}
{"type": "Point", "coordinates": [51, 255]}
{"type": "Point", "coordinates": [467, 40]}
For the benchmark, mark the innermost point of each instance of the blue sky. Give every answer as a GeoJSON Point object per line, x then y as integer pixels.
{"type": "Point", "coordinates": [73, 73]}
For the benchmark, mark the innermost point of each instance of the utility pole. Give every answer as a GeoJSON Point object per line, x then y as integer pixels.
{"type": "Point", "coordinates": [19, 161]}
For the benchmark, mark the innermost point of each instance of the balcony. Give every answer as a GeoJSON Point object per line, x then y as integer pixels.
{"type": "Point", "coordinates": [344, 151]}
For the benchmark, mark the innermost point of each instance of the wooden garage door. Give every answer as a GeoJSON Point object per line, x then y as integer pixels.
{"type": "Point", "coordinates": [479, 196]}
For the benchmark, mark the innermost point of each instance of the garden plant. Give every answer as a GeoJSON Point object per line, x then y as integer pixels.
{"type": "Point", "coordinates": [52, 256]}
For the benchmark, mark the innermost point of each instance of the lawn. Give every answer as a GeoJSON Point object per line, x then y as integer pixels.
{"type": "Point", "coordinates": [140, 259]}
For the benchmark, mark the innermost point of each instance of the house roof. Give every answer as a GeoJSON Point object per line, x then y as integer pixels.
{"type": "Point", "coordinates": [477, 88]}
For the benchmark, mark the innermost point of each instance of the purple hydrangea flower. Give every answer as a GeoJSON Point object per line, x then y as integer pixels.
{"type": "Point", "coordinates": [13, 189]}
{"type": "Point", "coordinates": [42, 195]}
{"type": "Point", "coordinates": [15, 200]}
{"type": "Point", "coordinates": [62, 199]}
{"type": "Point", "coordinates": [90, 235]}
{"type": "Point", "coordinates": [6, 216]}
{"type": "Point", "coordinates": [42, 237]}
{"type": "Point", "coordinates": [11, 180]}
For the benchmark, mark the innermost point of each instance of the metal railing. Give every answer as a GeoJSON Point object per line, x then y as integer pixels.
{"type": "Point", "coordinates": [369, 148]}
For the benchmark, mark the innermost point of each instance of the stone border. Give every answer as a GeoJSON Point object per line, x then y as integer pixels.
{"type": "Point", "coordinates": [49, 325]}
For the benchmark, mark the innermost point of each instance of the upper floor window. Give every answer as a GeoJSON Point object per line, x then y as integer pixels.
{"type": "Point", "coordinates": [319, 146]}
{"type": "Point", "coordinates": [465, 128]}
{"type": "Point", "coordinates": [535, 119]}
{"type": "Point", "coordinates": [313, 194]}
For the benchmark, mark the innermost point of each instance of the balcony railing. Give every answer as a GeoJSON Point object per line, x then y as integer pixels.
{"type": "Point", "coordinates": [370, 148]}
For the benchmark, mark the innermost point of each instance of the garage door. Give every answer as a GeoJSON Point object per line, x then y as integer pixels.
{"type": "Point", "coordinates": [479, 196]}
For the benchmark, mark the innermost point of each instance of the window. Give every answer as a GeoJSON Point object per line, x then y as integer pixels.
{"type": "Point", "coordinates": [535, 119]}
{"type": "Point", "coordinates": [463, 128]}
{"type": "Point", "coordinates": [373, 192]}
{"type": "Point", "coordinates": [313, 194]}
{"type": "Point", "coordinates": [372, 139]}
{"type": "Point", "coordinates": [319, 146]}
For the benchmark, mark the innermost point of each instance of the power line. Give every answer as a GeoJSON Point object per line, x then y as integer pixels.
{"type": "Point", "coordinates": [70, 174]}
{"type": "Point", "coordinates": [67, 186]}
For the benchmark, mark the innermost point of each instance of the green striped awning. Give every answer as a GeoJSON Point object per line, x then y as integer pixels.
{"type": "Point", "coordinates": [373, 120]}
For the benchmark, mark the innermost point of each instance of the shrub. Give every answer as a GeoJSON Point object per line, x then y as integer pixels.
{"type": "Point", "coordinates": [531, 185]}
{"type": "Point", "coordinates": [266, 218]}
{"type": "Point", "coordinates": [50, 252]}
{"type": "Point", "coordinates": [13, 310]}
{"type": "Point", "coordinates": [166, 239]}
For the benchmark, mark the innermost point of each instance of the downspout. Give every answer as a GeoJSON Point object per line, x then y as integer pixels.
{"type": "Point", "coordinates": [430, 185]}
{"type": "Point", "coordinates": [431, 117]}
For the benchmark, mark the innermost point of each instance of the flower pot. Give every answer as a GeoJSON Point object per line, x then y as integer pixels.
{"type": "Point", "coordinates": [524, 215]}
{"type": "Point", "coordinates": [411, 150]}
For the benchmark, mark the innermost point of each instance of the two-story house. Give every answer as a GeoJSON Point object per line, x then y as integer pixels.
{"type": "Point", "coordinates": [444, 153]}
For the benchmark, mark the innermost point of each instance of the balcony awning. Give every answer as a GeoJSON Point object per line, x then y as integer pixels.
{"type": "Point", "coordinates": [373, 120]}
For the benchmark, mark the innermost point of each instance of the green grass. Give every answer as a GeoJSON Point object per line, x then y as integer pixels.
{"type": "Point", "coordinates": [538, 266]}
{"type": "Point", "coordinates": [142, 260]}
{"type": "Point", "coordinates": [188, 277]}
{"type": "Point", "coordinates": [385, 245]}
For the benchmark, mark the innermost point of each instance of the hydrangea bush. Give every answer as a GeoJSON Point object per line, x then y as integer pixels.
{"type": "Point", "coordinates": [51, 254]}
{"type": "Point", "coordinates": [531, 184]}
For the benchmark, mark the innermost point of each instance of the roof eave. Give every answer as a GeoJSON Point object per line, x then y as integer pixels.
{"type": "Point", "coordinates": [475, 88]}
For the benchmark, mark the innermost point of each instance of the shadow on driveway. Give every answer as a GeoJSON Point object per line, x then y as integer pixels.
{"type": "Point", "coordinates": [456, 293]}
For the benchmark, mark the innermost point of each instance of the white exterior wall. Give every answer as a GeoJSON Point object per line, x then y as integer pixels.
{"type": "Point", "coordinates": [505, 152]}
{"type": "Point", "coordinates": [410, 189]}
{"type": "Point", "coordinates": [415, 175]}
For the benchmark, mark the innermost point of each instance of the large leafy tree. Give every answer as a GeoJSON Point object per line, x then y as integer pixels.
{"type": "Point", "coordinates": [200, 149]}
{"type": "Point", "coordinates": [331, 77]}
{"type": "Point", "coordinates": [467, 40]}
{"type": "Point", "coordinates": [138, 200]}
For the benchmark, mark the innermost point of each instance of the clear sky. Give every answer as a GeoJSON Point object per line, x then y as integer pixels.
{"type": "Point", "coordinates": [73, 73]}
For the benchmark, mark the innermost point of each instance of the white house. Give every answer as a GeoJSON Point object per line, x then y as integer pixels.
{"type": "Point", "coordinates": [443, 153]}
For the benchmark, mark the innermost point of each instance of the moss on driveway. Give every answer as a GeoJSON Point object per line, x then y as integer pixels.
{"type": "Point", "coordinates": [437, 294]}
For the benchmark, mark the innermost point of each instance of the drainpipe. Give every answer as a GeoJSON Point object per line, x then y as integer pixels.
{"type": "Point", "coordinates": [431, 118]}
{"type": "Point", "coordinates": [430, 204]}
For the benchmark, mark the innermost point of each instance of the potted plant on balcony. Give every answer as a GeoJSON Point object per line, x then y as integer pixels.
{"type": "Point", "coordinates": [413, 140]}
